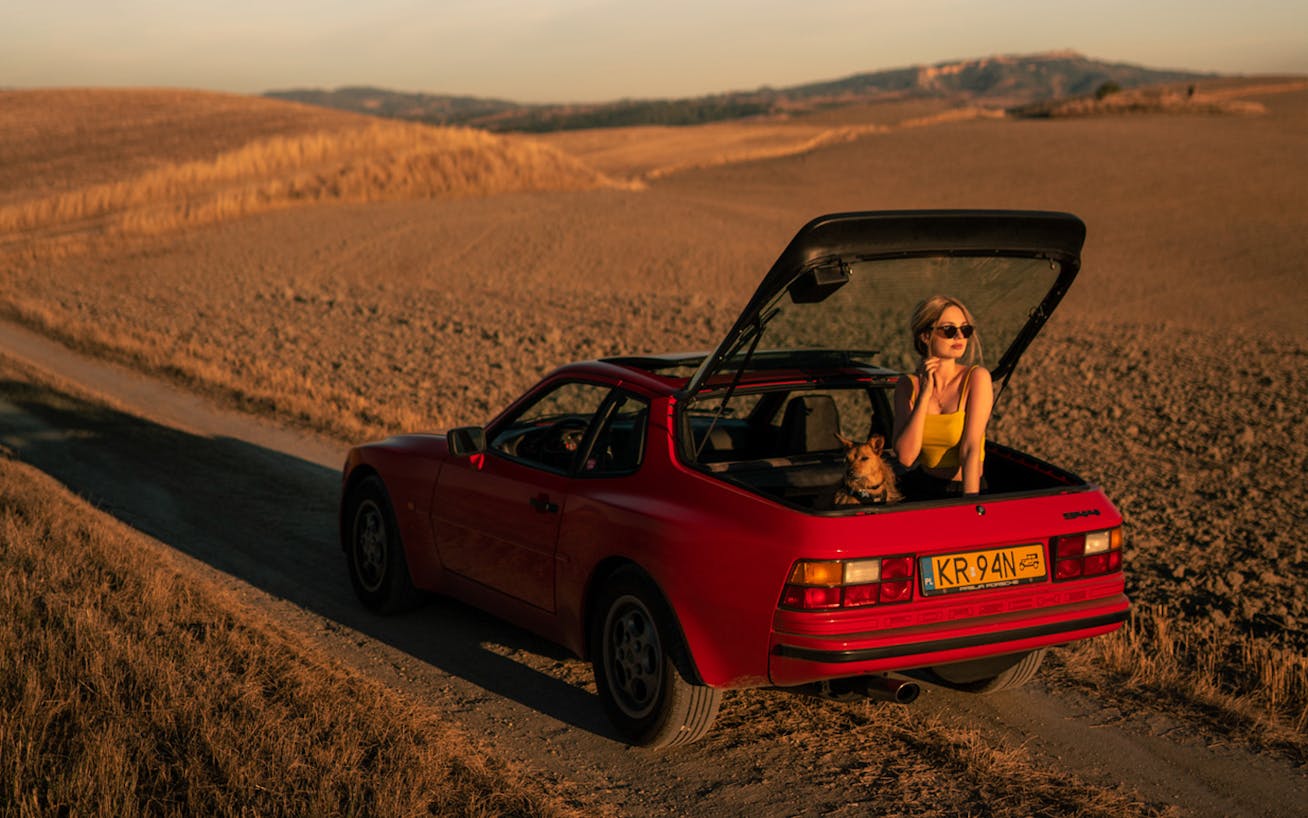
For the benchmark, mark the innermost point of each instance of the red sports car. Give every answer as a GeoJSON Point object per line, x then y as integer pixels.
{"type": "Point", "coordinates": [671, 517]}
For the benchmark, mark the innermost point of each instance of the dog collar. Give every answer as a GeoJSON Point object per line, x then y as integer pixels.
{"type": "Point", "coordinates": [869, 497]}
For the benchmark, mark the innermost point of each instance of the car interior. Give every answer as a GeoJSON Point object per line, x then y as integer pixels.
{"type": "Point", "coordinates": [603, 434]}
{"type": "Point", "coordinates": [784, 444]}
{"type": "Point", "coordinates": [780, 442]}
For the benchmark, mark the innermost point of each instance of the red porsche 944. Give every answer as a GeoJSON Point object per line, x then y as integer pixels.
{"type": "Point", "coordinates": [672, 517]}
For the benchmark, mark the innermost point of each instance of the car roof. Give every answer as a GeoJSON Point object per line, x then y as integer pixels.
{"type": "Point", "coordinates": [629, 372]}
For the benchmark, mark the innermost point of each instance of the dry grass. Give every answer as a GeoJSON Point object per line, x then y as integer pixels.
{"type": "Point", "coordinates": [1233, 683]}
{"type": "Point", "coordinates": [370, 161]}
{"type": "Point", "coordinates": [131, 689]}
{"type": "Point", "coordinates": [61, 140]}
{"type": "Point", "coordinates": [379, 162]}
{"type": "Point", "coordinates": [264, 385]}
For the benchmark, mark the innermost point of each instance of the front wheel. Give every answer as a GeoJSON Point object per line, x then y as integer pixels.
{"type": "Point", "coordinates": [642, 667]}
{"type": "Point", "coordinates": [374, 552]}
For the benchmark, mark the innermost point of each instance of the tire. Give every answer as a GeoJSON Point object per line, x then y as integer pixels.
{"type": "Point", "coordinates": [642, 668]}
{"type": "Point", "coordinates": [992, 675]}
{"type": "Point", "coordinates": [374, 552]}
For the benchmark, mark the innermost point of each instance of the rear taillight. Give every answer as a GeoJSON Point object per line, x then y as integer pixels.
{"type": "Point", "coordinates": [1087, 555]}
{"type": "Point", "coordinates": [819, 585]}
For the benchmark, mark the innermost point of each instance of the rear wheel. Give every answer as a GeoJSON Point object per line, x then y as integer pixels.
{"type": "Point", "coordinates": [994, 674]}
{"type": "Point", "coordinates": [374, 552]}
{"type": "Point", "coordinates": [642, 667]}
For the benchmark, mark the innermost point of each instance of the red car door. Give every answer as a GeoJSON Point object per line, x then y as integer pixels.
{"type": "Point", "coordinates": [498, 525]}
{"type": "Point", "coordinates": [496, 516]}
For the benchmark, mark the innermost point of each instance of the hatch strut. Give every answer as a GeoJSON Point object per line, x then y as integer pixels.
{"type": "Point", "coordinates": [1004, 385]}
{"type": "Point", "coordinates": [759, 322]}
{"type": "Point", "coordinates": [1043, 316]}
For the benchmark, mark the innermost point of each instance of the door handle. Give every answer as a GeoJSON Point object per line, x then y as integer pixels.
{"type": "Point", "coordinates": [541, 503]}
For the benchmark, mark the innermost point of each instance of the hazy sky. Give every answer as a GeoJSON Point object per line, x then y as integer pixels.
{"type": "Point", "coordinates": [593, 50]}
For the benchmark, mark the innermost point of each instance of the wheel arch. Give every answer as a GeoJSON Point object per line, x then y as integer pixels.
{"type": "Point", "coordinates": [685, 659]}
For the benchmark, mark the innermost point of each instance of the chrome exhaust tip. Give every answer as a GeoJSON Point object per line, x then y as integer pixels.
{"type": "Point", "coordinates": [901, 691]}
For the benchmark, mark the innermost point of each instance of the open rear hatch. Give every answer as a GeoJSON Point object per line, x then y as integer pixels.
{"type": "Point", "coordinates": [833, 313]}
{"type": "Point", "coordinates": [845, 286]}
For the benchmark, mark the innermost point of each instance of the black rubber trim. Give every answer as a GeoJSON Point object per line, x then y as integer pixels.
{"type": "Point", "coordinates": [912, 648]}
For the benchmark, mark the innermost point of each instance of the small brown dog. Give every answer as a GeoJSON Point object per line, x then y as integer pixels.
{"type": "Point", "coordinates": [868, 478]}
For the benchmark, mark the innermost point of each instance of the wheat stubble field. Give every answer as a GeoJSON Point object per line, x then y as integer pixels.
{"type": "Point", "coordinates": [358, 278]}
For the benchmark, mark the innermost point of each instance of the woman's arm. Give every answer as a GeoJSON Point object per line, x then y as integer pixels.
{"type": "Point", "coordinates": [910, 418]}
{"type": "Point", "coordinates": [980, 400]}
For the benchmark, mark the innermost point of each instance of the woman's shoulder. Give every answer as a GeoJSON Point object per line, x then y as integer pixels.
{"type": "Point", "coordinates": [978, 384]}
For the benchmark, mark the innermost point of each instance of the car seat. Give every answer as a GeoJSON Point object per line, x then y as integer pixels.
{"type": "Point", "coordinates": [810, 424]}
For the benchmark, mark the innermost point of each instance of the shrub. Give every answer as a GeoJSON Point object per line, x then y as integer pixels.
{"type": "Point", "coordinates": [1106, 89]}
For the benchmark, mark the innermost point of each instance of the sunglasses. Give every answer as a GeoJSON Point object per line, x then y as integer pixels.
{"type": "Point", "coordinates": [949, 330]}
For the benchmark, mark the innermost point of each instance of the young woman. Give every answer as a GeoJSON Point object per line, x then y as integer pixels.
{"type": "Point", "coordinates": [941, 412]}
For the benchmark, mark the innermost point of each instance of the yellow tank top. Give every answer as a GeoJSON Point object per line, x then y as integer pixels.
{"type": "Point", "coordinates": [941, 434]}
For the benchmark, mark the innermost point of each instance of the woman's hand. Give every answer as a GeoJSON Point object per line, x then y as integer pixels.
{"type": "Point", "coordinates": [927, 376]}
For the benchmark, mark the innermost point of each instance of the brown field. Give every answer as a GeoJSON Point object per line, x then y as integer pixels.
{"type": "Point", "coordinates": [650, 152]}
{"type": "Point", "coordinates": [1170, 374]}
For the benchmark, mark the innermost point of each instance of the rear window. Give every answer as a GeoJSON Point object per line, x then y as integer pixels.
{"type": "Point", "coordinates": [869, 313]}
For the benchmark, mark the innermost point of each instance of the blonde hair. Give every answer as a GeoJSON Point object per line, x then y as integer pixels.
{"type": "Point", "coordinates": [928, 312]}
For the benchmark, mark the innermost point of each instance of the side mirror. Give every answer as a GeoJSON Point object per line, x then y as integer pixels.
{"type": "Point", "coordinates": [467, 440]}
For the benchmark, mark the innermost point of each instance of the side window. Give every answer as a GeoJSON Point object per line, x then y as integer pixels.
{"type": "Point", "coordinates": [619, 446]}
{"type": "Point", "coordinates": [550, 431]}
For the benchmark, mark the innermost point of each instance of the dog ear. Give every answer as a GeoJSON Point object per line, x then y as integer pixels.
{"type": "Point", "coordinates": [844, 441]}
{"type": "Point", "coordinates": [876, 442]}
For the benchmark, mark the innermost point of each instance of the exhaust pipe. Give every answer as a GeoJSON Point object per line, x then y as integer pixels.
{"type": "Point", "coordinates": [885, 688]}
{"type": "Point", "coordinates": [896, 690]}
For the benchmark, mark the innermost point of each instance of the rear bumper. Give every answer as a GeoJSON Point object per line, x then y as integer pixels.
{"type": "Point", "coordinates": [799, 658]}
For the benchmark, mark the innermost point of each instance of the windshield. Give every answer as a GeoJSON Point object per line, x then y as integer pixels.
{"type": "Point", "coordinates": [868, 314]}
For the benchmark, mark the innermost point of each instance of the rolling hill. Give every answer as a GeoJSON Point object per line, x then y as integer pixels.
{"type": "Point", "coordinates": [162, 160]}
{"type": "Point", "coordinates": [999, 80]}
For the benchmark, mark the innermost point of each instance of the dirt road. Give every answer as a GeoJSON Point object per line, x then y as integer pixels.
{"type": "Point", "coordinates": [254, 506]}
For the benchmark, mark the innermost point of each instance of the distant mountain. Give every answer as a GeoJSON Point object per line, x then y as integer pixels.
{"type": "Point", "coordinates": [999, 81]}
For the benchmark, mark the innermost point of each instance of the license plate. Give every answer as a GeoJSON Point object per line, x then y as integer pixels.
{"type": "Point", "coordinates": [992, 568]}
